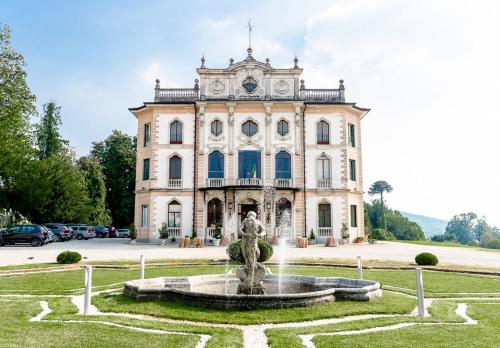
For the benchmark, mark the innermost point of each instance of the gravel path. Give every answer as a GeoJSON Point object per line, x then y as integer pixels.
{"type": "Point", "coordinates": [120, 249]}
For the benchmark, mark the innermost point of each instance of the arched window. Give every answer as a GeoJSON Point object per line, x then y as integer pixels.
{"type": "Point", "coordinates": [323, 133]}
{"type": "Point", "coordinates": [324, 215]}
{"type": "Point", "coordinates": [214, 212]}
{"type": "Point", "coordinates": [282, 127]}
{"type": "Point", "coordinates": [174, 214]}
{"type": "Point", "coordinates": [176, 132]}
{"type": "Point", "coordinates": [249, 128]}
{"type": "Point", "coordinates": [216, 127]}
{"type": "Point", "coordinates": [216, 165]}
{"type": "Point", "coordinates": [324, 168]}
{"type": "Point", "coordinates": [175, 167]}
{"type": "Point", "coordinates": [283, 165]}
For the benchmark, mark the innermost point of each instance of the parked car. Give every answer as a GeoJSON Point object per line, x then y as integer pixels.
{"type": "Point", "coordinates": [83, 231]}
{"type": "Point", "coordinates": [32, 234]}
{"type": "Point", "coordinates": [122, 233]}
{"type": "Point", "coordinates": [49, 235]}
{"type": "Point", "coordinates": [61, 231]}
{"type": "Point", "coordinates": [112, 231]}
{"type": "Point", "coordinates": [101, 231]}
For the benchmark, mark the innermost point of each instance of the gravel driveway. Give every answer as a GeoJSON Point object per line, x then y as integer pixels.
{"type": "Point", "coordinates": [120, 249]}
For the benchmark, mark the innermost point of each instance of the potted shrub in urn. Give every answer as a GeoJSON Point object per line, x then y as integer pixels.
{"type": "Point", "coordinates": [312, 237]}
{"type": "Point", "coordinates": [163, 233]}
{"type": "Point", "coordinates": [345, 233]}
{"type": "Point", "coordinates": [359, 240]}
{"type": "Point", "coordinates": [217, 235]}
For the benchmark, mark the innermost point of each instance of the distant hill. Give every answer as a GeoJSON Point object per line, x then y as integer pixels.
{"type": "Point", "coordinates": [430, 225]}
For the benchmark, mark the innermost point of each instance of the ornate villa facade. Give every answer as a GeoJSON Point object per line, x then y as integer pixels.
{"type": "Point", "coordinates": [249, 137]}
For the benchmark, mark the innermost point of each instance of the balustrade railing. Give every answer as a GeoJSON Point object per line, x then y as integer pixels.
{"type": "Point", "coordinates": [249, 182]}
{"type": "Point", "coordinates": [283, 183]}
{"type": "Point", "coordinates": [215, 182]}
{"type": "Point", "coordinates": [325, 232]}
{"type": "Point", "coordinates": [175, 94]}
{"type": "Point", "coordinates": [324, 184]}
{"type": "Point", "coordinates": [323, 95]}
{"type": "Point", "coordinates": [175, 183]}
{"type": "Point", "coordinates": [174, 231]}
{"type": "Point", "coordinates": [210, 231]}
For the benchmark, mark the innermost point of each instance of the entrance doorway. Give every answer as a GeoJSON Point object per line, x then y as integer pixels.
{"type": "Point", "coordinates": [244, 209]}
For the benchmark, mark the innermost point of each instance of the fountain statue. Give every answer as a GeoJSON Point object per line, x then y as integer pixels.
{"type": "Point", "coordinates": [253, 272]}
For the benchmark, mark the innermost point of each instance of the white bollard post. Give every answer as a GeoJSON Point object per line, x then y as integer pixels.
{"type": "Point", "coordinates": [360, 268]}
{"type": "Point", "coordinates": [143, 266]}
{"type": "Point", "coordinates": [420, 292]}
{"type": "Point", "coordinates": [88, 290]}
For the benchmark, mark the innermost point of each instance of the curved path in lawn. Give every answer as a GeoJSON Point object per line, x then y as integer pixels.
{"type": "Point", "coordinates": [120, 249]}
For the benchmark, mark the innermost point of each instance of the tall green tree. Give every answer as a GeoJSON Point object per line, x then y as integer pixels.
{"type": "Point", "coordinates": [461, 228]}
{"type": "Point", "coordinates": [378, 188]}
{"type": "Point", "coordinates": [117, 157]}
{"type": "Point", "coordinates": [17, 104]}
{"type": "Point", "coordinates": [49, 140]}
{"type": "Point", "coordinates": [96, 190]}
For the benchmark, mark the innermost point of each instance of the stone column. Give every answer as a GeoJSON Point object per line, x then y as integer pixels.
{"type": "Point", "coordinates": [201, 126]}
{"type": "Point", "coordinates": [298, 125]}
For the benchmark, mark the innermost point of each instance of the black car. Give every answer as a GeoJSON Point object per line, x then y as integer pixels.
{"type": "Point", "coordinates": [32, 234]}
{"type": "Point", "coordinates": [61, 231]}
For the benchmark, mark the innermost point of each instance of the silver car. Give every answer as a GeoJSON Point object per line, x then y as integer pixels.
{"type": "Point", "coordinates": [122, 233]}
{"type": "Point", "coordinates": [83, 231]}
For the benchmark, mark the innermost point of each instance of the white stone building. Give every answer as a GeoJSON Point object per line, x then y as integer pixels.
{"type": "Point", "coordinates": [249, 137]}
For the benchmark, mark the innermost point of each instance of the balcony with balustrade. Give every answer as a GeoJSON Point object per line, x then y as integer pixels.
{"type": "Point", "coordinates": [174, 231]}
{"type": "Point", "coordinates": [175, 184]}
{"type": "Point", "coordinates": [215, 182]}
{"type": "Point", "coordinates": [324, 183]}
{"type": "Point", "coordinates": [283, 183]}
{"type": "Point", "coordinates": [325, 232]}
{"type": "Point", "coordinates": [210, 231]}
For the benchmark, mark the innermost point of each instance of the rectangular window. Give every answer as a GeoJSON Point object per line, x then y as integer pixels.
{"type": "Point", "coordinates": [324, 215]}
{"type": "Point", "coordinates": [354, 216]}
{"type": "Point", "coordinates": [352, 170]}
{"type": "Point", "coordinates": [147, 134]}
{"type": "Point", "coordinates": [352, 135]}
{"type": "Point", "coordinates": [324, 169]}
{"type": "Point", "coordinates": [249, 164]}
{"type": "Point", "coordinates": [145, 169]}
{"type": "Point", "coordinates": [144, 216]}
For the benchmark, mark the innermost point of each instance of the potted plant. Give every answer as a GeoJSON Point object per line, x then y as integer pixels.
{"type": "Point", "coordinates": [217, 235]}
{"type": "Point", "coordinates": [132, 234]}
{"type": "Point", "coordinates": [163, 233]}
{"type": "Point", "coordinates": [312, 237]}
{"type": "Point", "coordinates": [359, 240]}
{"type": "Point", "coordinates": [345, 233]}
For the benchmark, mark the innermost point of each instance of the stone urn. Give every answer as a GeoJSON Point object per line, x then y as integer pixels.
{"type": "Point", "coordinates": [216, 242]}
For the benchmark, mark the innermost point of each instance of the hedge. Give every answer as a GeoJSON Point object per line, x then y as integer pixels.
{"type": "Point", "coordinates": [234, 251]}
{"type": "Point", "coordinates": [426, 259]}
{"type": "Point", "coordinates": [69, 257]}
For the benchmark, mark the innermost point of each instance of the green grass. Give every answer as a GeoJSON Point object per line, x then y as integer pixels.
{"type": "Point", "coordinates": [17, 330]}
{"type": "Point", "coordinates": [486, 334]}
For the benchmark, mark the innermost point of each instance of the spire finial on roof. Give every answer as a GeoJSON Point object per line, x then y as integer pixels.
{"type": "Point", "coordinates": [250, 26]}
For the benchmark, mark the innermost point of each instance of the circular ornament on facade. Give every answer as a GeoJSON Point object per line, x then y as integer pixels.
{"type": "Point", "coordinates": [217, 87]}
{"type": "Point", "coordinates": [281, 87]}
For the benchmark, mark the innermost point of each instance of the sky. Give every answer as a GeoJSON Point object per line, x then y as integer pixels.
{"type": "Point", "coordinates": [429, 71]}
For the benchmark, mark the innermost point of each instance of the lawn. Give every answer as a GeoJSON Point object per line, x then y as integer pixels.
{"type": "Point", "coordinates": [444, 328]}
{"type": "Point", "coordinates": [444, 244]}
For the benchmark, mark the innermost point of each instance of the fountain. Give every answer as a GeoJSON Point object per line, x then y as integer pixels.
{"type": "Point", "coordinates": [252, 288]}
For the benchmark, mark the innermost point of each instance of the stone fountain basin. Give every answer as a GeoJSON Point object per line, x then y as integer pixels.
{"type": "Point", "coordinates": [209, 291]}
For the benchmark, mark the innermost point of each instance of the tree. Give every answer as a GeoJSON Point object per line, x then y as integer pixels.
{"type": "Point", "coordinates": [481, 228]}
{"type": "Point", "coordinates": [96, 190]}
{"type": "Point", "coordinates": [379, 187]}
{"type": "Point", "coordinates": [49, 140]}
{"type": "Point", "coordinates": [117, 157]}
{"type": "Point", "coordinates": [460, 228]}
{"type": "Point", "coordinates": [17, 104]}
